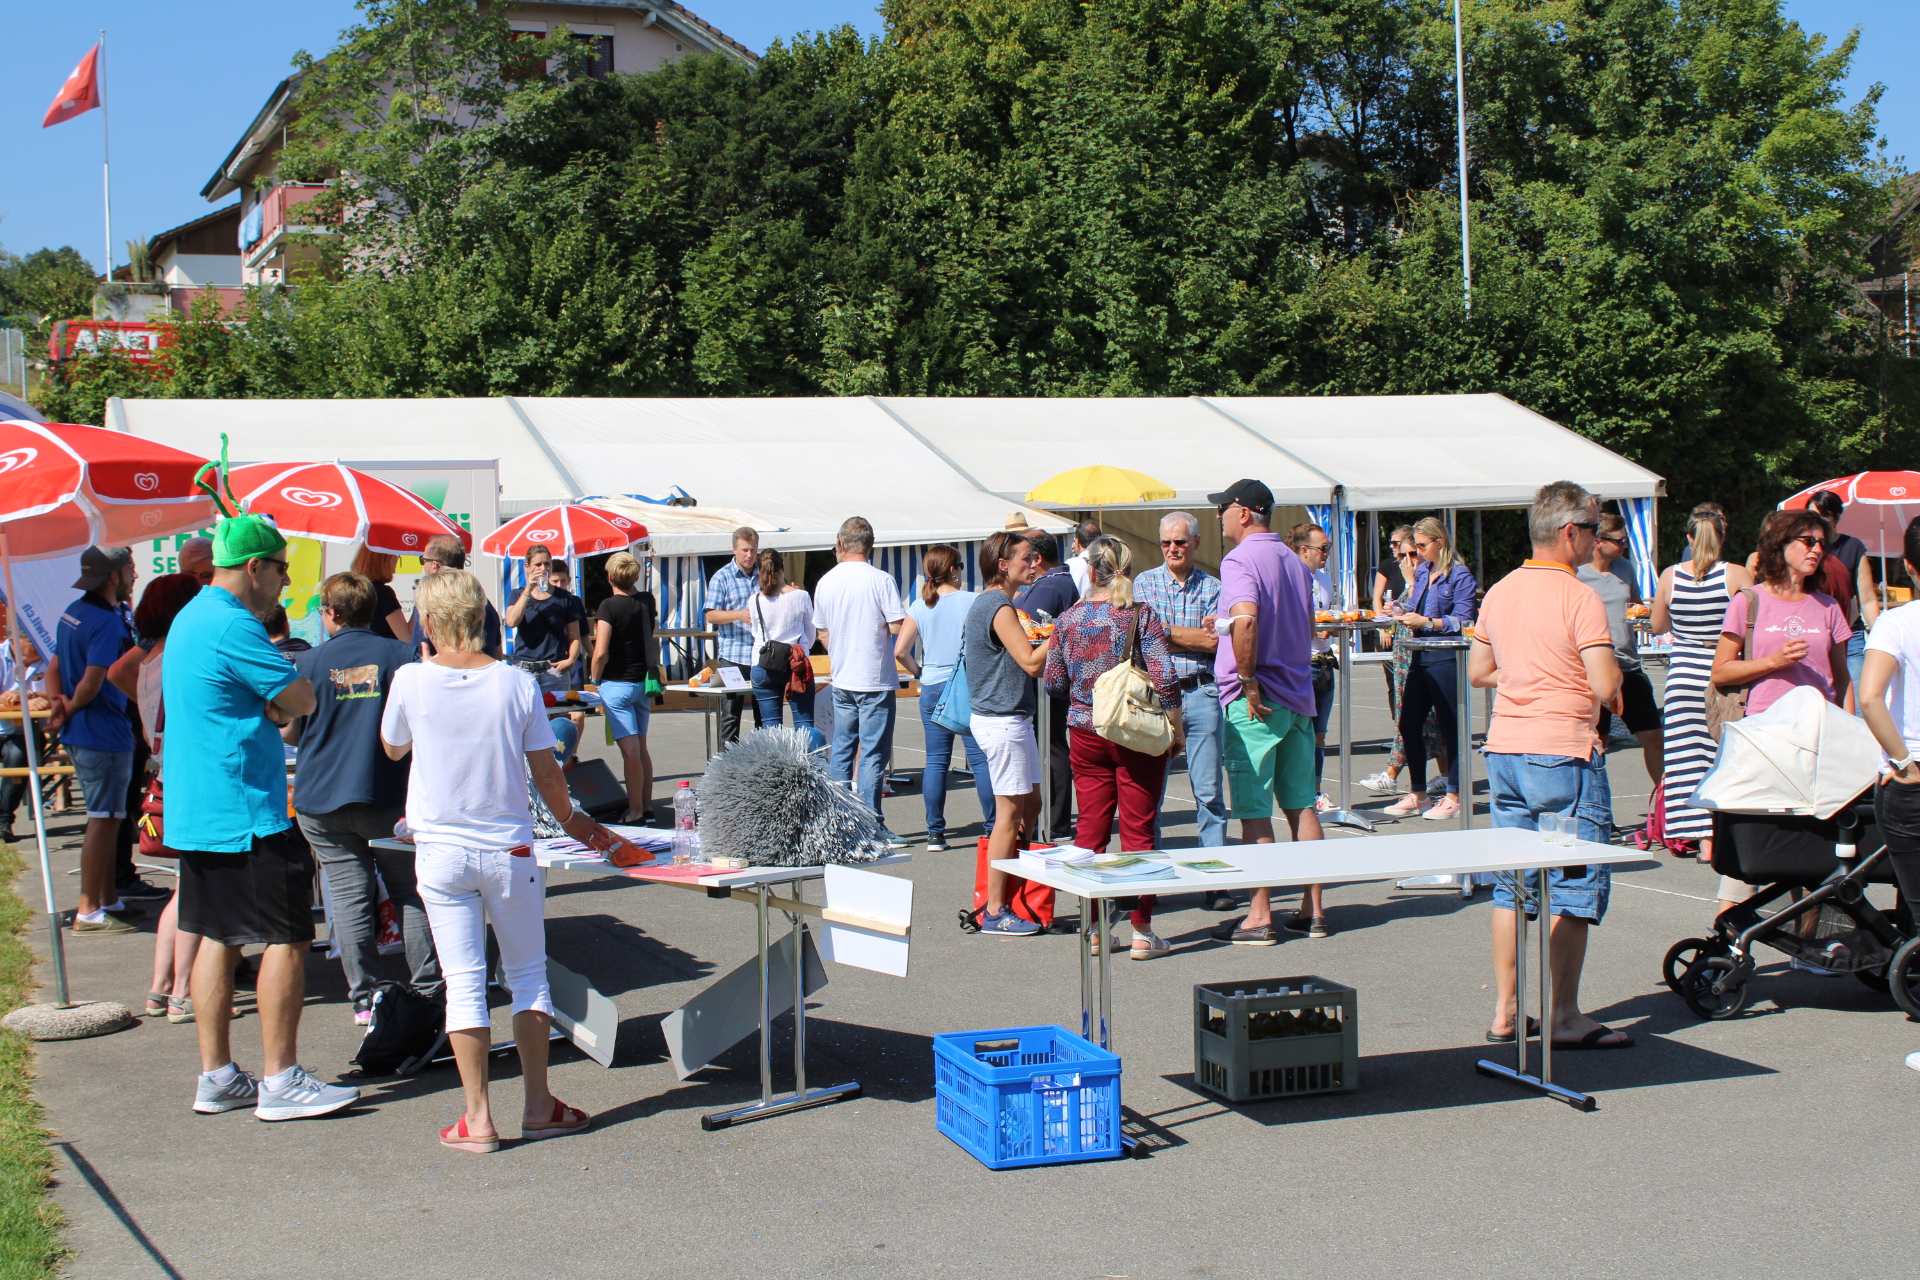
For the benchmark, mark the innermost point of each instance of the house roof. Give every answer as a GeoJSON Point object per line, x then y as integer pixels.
{"type": "Point", "coordinates": [275, 114]}
{"type": "Point", "coordinates": [185, 229]}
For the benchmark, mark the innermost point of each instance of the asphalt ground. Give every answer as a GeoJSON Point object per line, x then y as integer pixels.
{"type": "Point", "coordinates": [1718, 1148]}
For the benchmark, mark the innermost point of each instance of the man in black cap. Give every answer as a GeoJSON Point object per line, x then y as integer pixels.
{"type": "Point", "coordinates": [1265, 685]}
{"type": "Point", "coordinates": [94, 726]}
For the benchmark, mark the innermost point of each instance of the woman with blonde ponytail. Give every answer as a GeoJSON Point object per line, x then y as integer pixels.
{"type": "Point", "coordinates": [1692, 604]}
{"type": "Point", "coordinates": [1092, 639]}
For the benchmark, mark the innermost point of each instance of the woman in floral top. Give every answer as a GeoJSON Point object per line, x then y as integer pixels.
{"type": "Point", "coordinates": [1089, 642]}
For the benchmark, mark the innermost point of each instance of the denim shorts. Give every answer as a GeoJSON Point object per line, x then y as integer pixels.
{"type": "Point", "coordinates": [626, 705]}
{"type": "Point", "coordinates": [104, 779]}
{"type": "Point", "coordinates": [1526, 786]}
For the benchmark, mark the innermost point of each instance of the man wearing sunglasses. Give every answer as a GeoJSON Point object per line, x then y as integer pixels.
{"type": "Point", "coordinates": [245, 875]}
{"type": "Point", "coordinates": [1187, 598]}
{"type": "Point", "coordinates": [1616, 592]}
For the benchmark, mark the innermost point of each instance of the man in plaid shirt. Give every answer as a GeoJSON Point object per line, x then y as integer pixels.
{"type": "Point", "coordinates": [1187, 597]}
{"type": "Point", "coordinates": [728, 593]}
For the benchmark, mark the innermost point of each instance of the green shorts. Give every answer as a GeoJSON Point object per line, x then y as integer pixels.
{"type": "Point", "coordinates": [1269, 761]}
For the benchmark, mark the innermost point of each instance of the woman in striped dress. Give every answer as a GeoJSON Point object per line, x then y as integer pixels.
{"type": "Point", "coordinates": [1692, 603]}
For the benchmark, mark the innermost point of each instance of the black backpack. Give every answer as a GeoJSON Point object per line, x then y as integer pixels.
{"type": "Point", "coordinates": [408, 1032]}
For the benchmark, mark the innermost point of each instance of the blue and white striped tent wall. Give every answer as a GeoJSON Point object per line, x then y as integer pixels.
{"type": "Point", "coordinates": [681, 587]}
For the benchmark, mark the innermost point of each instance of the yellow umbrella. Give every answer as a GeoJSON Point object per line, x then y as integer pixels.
{"type": "Point", "coordinates": [1099, 486]}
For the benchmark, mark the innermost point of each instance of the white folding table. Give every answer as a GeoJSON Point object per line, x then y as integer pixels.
{"type": "Point", "coordinates": [1498, 850]}
{"type": "Point", "coordinates": [710, 696]}
{"type": "Point", "coordinates": [751, 885]}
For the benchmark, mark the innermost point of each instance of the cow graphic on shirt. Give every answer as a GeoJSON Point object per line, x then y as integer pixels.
{"type": "Point", "coordinates": [356, 682]}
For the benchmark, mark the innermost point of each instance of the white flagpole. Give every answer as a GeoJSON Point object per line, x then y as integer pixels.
{"type": "Point", "coordinates": [106, 167]}
{"type": "Point", "coordinates": [1460, 109]}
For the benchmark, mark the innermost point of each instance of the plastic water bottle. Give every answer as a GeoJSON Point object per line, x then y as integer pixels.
{"type": "Point", "coordinates": [686, 821]}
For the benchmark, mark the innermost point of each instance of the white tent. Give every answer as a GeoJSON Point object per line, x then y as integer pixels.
{"type": "Point", "coordinates": [1411, 453]}
{"type": "Point", "coordinates": [1009, 446]}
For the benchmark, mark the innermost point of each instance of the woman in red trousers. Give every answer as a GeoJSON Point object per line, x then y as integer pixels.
{"type": "Point", "coordinates": [1090, 641]}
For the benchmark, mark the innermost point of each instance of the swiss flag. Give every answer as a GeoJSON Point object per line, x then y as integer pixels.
{"type": "Point", "coordinates": [80, 94]}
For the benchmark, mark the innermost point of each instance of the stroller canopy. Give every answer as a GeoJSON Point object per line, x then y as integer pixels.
{"type": "Point", "coordinates": [1801, 755]}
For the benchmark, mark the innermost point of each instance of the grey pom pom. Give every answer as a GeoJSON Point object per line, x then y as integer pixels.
{"type": "Point", "coordinates": [768, 799]}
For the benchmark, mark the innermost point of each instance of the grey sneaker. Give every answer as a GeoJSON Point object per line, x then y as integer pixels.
{"type": "Point", "coordinates": [211, 1099]}
{"type": "Point", "coordinates": [111, 924]}
{"type": "Point", "coordinates": [302, 1097]}
{"type": "Point", "coordinates": [897, 842]}
{"type": "Point", "coordinates": [1006, 925]}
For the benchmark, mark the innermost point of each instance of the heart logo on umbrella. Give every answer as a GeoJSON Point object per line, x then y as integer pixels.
{"type": "Point", "coordinates": [618, 523]}
{"type": "Point", "coordinates": [146, 481]}
{"type": "Point", "coordinates": [541, 535]}
{"type": "Point", "coordinates": [150, 517]}
{"type": "Point", "coordinates": [311, 498]}
{"type": "Point", "coordinates": [14, 459]}
{"type": "Point", "coordinates": [1898, 491]}
{"type": "Point", "coordinates": [599, 544]}
{"type": "Point", "coordinates": [408, 539]}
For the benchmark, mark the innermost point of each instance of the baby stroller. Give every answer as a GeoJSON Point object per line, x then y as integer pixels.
{"type": "Point", "coordinates": [1792, 794]}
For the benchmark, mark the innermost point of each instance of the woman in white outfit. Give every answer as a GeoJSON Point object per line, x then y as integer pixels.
{"type": "Point", "coordinates": [476, 726]}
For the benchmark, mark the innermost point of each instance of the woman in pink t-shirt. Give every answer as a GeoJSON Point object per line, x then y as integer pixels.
{"type": "Point", "coordinates": [1799, 636]}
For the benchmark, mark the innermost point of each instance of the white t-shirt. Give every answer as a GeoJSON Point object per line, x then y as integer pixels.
{"type": "Point", "coordinates": [1082, 573]}
{"type": "Point", "coordinates": [1897, 633]}
{"type": "Point", "coordinates": [853, 604]}
{"type": "Point", "coordinates": [788, 618]}
{"type": "Point", "coordinates": [1322, 599]}
{"type": "Point", "coordinates": [471, 732]}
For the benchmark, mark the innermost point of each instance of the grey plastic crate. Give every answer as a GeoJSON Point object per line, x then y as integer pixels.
{"type": "Point", "coordinates": [1251, 1043]}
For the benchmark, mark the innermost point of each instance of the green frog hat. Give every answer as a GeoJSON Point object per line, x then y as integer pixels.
{"type": "Point", "coordinates": [239, 535]}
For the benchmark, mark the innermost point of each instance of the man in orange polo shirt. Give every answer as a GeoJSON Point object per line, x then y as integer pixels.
{"type": "Point", "coordinates": [1543, 642]}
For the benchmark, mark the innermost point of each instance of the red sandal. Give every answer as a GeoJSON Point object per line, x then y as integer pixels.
{"type": "Point", "coordinates": [565, 1120]}
{"type": "Point", "coordinates": [456, 1136]}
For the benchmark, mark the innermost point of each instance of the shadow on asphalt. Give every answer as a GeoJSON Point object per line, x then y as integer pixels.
{"type": "Point", "coordinates": [617, 956]}
{"type": "Point", "coordinates": [98, 1184]}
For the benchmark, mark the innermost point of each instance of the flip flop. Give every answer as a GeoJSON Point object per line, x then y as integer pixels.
{"type": "Point", "coordinates": [1533, 1029]}
{"type": "Point", "coordinates": [456, 1136]}
{"type": "Point", "coordinates": [565, 1120]}
{"type": "Point", "coordinates": [1595, 1039]}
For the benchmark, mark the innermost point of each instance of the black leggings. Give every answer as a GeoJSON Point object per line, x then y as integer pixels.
{"type": "Point", "coordinates": [1896, 808]}
{"type": "Point", "coordinates": [1430, 681]}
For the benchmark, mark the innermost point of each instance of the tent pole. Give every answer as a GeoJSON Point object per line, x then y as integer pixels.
{"type": "Point", "coordinates": [1479, 553]}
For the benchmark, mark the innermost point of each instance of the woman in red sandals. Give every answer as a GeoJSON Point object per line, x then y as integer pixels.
{"type": "Point", "coordinates": [476, 728]}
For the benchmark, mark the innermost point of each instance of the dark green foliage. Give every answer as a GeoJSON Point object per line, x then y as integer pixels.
{"type": "Point", "coordinates": [1116, 197]}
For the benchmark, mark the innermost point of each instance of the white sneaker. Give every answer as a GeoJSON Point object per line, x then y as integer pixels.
{"type": "Point", "coordinates": [1321, 804]}
{"type": "Point", "coordinates": [302, 1097]}
{"type": "Point", "coordinates": [1381, 784]}
{"type": "Point", "coordinates": [1913, 1060]}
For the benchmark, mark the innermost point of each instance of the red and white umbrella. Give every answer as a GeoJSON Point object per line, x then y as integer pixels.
{"type": "Point", "coordinates": [576, 529]}
{"type": "Point", "coordinates": [64, 488]}
{"type": "Point", "coordinates": [1880, 506]}
{"type": "Point", "coordinates": [335, 503]}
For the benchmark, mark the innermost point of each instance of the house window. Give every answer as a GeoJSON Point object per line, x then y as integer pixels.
{"type": "Point", "coordinates": [600, 61]}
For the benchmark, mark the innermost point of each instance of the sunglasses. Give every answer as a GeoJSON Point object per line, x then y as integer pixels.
{"type": "Point", "coordinates": [1176, 542]}
{"type": "Point", "coordinates": [1591, 526]}
{"type": "Point", "coordinates": [1607, 537]}
{"type": "Point", "coordinates": [1811, 542]}
{"type": "Point", "coordinates": [281, 565]}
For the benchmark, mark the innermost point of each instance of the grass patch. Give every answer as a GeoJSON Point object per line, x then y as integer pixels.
{"type": "Point", "coordinates": [30, 1245]}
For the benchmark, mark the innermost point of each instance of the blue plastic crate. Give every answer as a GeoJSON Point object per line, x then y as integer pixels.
{"type": "Point", "coordinates": [1027, 1095]}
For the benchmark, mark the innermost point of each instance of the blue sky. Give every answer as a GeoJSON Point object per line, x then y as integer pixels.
{"type": "Point", "coordinates": [184, 79]}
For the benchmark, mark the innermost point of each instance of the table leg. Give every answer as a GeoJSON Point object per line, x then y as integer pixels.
{"type": "Point", "coordinates": [1463, 760]}
{"type": "Point", "coordinates": [1106, 977]}
{"type": "Point", "coordinates": [1517, 1074]}
{"type": "Point", "coordinates": [801, 1095]}
{"type": "Point", "coordinates": [1041, 726]}
{"type": "Point", "coordinates": [1344, 816]}
{"type": "Point", "coordinates": [1087, 922]}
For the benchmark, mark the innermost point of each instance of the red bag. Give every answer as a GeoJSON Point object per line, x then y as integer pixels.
{"type": "Point", "coordinates": [153, 842]}
{"type": "Point", "coordinates": [1027, 899]}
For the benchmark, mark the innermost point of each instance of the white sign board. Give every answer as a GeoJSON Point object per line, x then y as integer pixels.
{"type": "Point", "coordinates": [869, 894]}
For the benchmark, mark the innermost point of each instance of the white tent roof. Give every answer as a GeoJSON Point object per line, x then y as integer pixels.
{"type": "Point", "coordinates": [1406, 453]}
{"type": "Point", "coordinates": [1009, 446]}
{"type": "Point", "coordinates": [807, 462]}
{"type": "Point", "coordinates": [923, 469]}
{"type": "Point", "coordinates": [354, 431]}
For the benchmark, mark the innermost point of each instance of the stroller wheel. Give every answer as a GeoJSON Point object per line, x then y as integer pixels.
{"type": "Point", "coordinates": [1903, 978]}
{"type": "Point", "coordinates": [1696, 988]}
{"type": "Point", "coordinates": [1683, 953]}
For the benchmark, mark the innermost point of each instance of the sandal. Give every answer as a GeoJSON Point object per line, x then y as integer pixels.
{"type": "Point", "coordinates": [565, 1120]}
{"type": "Point", "coordinates": [156, 1004]}
{"type": "Point", "coordinates": [456, 1136]}
{"type": "Point", "coordinates": [1533, 1029]}
{"type": "Point", "coordinates": [180, 1009]}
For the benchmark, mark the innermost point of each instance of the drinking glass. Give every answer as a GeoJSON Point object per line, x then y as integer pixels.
{"type": "Point", "coordinates": [1569, 829]}
{"type": "Point", "coordinates": [1549, 828]}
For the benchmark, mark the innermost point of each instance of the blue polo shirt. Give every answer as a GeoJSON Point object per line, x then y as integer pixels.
{"type": "Point", "coordinates": [341, 760]}
{"type": "Point", "coordinates": [93, 634]}
{"type": "Point", "coordinates": [225, 767]}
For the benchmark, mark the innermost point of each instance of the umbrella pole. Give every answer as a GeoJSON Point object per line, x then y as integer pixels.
{"type": "Point", "coordinates": [33, 784]}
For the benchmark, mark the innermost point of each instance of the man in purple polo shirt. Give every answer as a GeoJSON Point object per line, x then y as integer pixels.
{"type": "Point", "coordinates": [1266, 598]}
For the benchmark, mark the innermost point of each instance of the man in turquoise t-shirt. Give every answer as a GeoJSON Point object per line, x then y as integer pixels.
{"type": "Point", "coordinates": [245, 875]}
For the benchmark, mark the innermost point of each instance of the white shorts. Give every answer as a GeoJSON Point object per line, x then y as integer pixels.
{"type": "Point", "coordinates": [1013, 757]}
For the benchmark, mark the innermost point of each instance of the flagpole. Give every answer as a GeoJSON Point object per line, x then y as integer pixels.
{"type": "Point", "coordinates": [106, 166]}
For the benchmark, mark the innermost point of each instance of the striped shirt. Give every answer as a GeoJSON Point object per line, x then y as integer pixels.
{"type": "Point", "coordinates": [730, 589]}
{"type": "Point", "coordinates": [1182, 606]}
